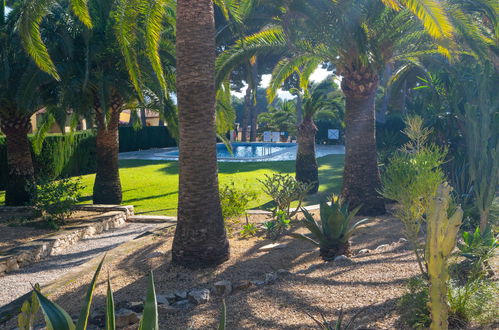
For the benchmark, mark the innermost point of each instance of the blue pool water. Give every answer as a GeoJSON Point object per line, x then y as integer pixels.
{"type": "Point", "coordinates": [247, 150]}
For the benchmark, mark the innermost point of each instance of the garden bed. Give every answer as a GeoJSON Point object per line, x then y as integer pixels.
{"type": "Point", "coordinates": [371, 281]}
{"type": "Point", "coordinates": [26, 239]}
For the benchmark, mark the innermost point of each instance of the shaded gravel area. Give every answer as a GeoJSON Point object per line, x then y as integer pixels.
{"type": "Point", "coordinates": [18, 283]}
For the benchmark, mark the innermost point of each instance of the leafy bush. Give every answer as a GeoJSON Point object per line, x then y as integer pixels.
{"type": "Point", "coordinates": [411, 178]}
{"type": "Point", "coordinates": [284, 189]}
{"type": "Point", "coordinates": [474, 301]}
{"type": "Point", "coordinates": [479, 248]}
{"type": "Point", "coordinates": [234, 203]}
{"type": "Point", "coordinates": [249, 230]}
{"type": "Point", "coordinates": [276, 227]}
{"type": "Point", "coordinates": [55, 199]}
{"type": "Point", "coordinates": [333, 233]}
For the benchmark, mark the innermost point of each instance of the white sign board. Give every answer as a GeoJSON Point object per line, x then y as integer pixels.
{"type": "Point", "coordinates": [333, 134]}
{"type": "Point", "coordinates": [276, 136]}
{"type": "Point", "coordinates": [267, 136]}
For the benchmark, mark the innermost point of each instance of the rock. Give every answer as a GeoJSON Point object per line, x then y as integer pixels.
{"type": "Point", "coordinates": [270, 278]}
{"type": "Point", "coordinates": [242, 285]}
{"type": "Point", "coordinates": [165, 299]}
{"type": "Point", "coordinates": [181, 295]}
{"type": "Point", "coordinates": [363, 251]}
{"type": "Point", "coordinates": [136, 306]}
{"type": "Point", "coordinates": [12, 265]}
{"type": "Point", "coordinates": [223, 288]}
{"type": "Point", "coordinates": [273, 246]}
{"type": "Point", "coordinates": [126, 317]}
{"type": "Point", "coordinates": [402, 240]}
{"type": "Point", "coordinates": [382, 247]}
{"type": "Point", "coordinates": [257, 282]}
{"type": "Point", "coordinates": [181, 303]}
{"type": "Point", "coordinates": [283, 272]}
{"type": "Point", "coordinates": [341, 258]}
{"type": "Point", "coordinates": [199, 296]}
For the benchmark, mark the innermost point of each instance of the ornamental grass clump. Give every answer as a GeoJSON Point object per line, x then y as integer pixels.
{"type": "Point", "coordinates": [333, 233]}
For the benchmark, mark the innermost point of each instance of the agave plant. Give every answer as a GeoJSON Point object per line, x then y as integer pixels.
{"type": "Point", "coordinates": [340, 323]}
{"type": "Point", "coordinates": [57, 318]}
{"type": "Point", "coordinates": [334, 231]}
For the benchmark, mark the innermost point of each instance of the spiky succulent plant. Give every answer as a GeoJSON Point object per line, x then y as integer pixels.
{"type": "Point", "coordinates": [333, 232]}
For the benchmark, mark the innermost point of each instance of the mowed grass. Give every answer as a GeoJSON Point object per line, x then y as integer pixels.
{"type": "Point", "coordinates": [152, 186]}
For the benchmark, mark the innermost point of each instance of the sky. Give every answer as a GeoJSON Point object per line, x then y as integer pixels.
{"type": "Point", "coordinates": [319, 75]}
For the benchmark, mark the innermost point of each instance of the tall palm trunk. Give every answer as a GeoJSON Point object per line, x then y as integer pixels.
{"type": "Point", "coordinates": [246, 115]}
{"type": "Point", "coordinates": [306, 163]}
{"type": "Point", "coordinates": [107, 185]}
{"type": "Point", "coordinates": [361, 178]}
{"type": "Point", "coordinates": [21, 172]}
{"type": "Point", "coordinates": [253, 108]}
{"type": "Point", "coordinates": [200, 238]}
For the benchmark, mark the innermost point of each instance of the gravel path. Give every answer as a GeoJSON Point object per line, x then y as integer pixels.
{"type": "Point", "coordinates": [18, 283]}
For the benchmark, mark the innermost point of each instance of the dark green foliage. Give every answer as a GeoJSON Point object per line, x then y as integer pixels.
{"type": "Point", "coordinates": [277, 226]}
{"type": "Point", "coordinates": [60, 156]}
{"type": "Point", "coordinates": [334, 231]}
{"type": "Point", "coordinates": [55, 199]}
{"type": "Point", "coordinates": [479, 248]}
{"type": "Point", "coordinates": [413, 306]}
{"type": "Point", "coordinates": [145, 138]}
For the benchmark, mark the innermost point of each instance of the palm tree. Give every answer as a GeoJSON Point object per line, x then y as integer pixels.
{"type": "Point", "coordinates": [107, 67]}
{"type": "Point", "coordinates": [200, 237]}
{"type": "Point", "coordinates": [20, 84]}
{"type": "Point", "coordinates": [306, 161]}
{"type": "Point", "coordinates": [358, 38]}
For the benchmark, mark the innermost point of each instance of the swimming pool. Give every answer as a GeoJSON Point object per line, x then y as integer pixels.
{"type": "Point", "coordinates": [242, 152]}
{"type": "Point", "coordinates": [247, 150]}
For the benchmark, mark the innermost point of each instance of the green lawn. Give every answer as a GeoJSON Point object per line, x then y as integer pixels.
{"type": "Point", "coordinates": [152, 186]}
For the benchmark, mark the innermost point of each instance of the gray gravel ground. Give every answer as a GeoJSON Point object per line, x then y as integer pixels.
{"type": "Point", "coordinates": [18, 283]}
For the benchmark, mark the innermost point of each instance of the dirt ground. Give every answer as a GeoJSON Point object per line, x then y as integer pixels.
{"type": "Point", "coordinates": [19, 229]}
{"type": "Point", "coordinates": [370, 282]}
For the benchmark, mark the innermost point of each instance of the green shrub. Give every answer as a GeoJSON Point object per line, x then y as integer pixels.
{"type": "Point", "coordinates": [411, 178]}
{"type": "Point", "coordinates": [284, 189]}
{"type": "Point", "coordinates": [234, 203]}
{"type": "Point", "coordinates": [473, 302]}
{"type": "Point", "coordinates": [333, 233]}
{"type": "Point", "coordinates": [55, 199]}
{"type": "Point", "coordinates": [132, 139]}
{"type": "Point", "coordinates": [277, 226]}
{"type": "Point", "coordinates": [479, 248]}
{"type": "Point", "coordinates": [249, 230]}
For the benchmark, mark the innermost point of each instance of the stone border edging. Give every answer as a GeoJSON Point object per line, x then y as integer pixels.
{"type": "Point", "coordinates": [38, 249]}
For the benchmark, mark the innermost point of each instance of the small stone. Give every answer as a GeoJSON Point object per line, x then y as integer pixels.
{"type": "Point", "coordinates": [136, 306]}
{"type": "Point", "coordinates": [126, 317]}
{"type": "Point", "coordinates": [181, 303]}
{"type": "Point", "coordinates": [164, 299]}
{"type": "Point", "coordinates": [242, 285]}
{"type": "Point", "coordinates": [283, 272]}
{"type": "Point", "coordinates": [272, 246]}
{"type": "Point", "coordinates": [223, 288]}
{"type": "Point", "coordinates": [382, 247]}
{"type": "Point", "coordinates": [257, 282]}
{"type": "Point", "coordinates": [3, 267]}
{"type": "Point", "coordinates": [199, 296]}
{"type": "Point", "coordinates": [12, 265]}
{"type": "Point", "coordinates": [402, 240]}
{"type": "Point", "coordinates": [341, 258]}
{"type": "Point", "coordinates": [181, 295]}
{"type": "Point", "coordinates": [270, 278]}
{"type": "Point", "coordinates": [363, 251]}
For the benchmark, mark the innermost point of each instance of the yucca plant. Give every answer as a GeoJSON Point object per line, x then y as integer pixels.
{"type": "Point", "coordinates": [334, 231]}
{"type": "Point", "coordinates": [340, 323]}
{"type": "Point", "coordinates": [57, 318]}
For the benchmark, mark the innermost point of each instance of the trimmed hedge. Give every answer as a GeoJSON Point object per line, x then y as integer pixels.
{"type": "Point", "coordinates": [145, 138]}
{"type": "Point", "coordinates": [63, 157]}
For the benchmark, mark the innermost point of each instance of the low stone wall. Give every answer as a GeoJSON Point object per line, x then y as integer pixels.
{"type": "Point", "coordinates": [39, 249]}
{"type": "Point", "coordinates": [128, 209]}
